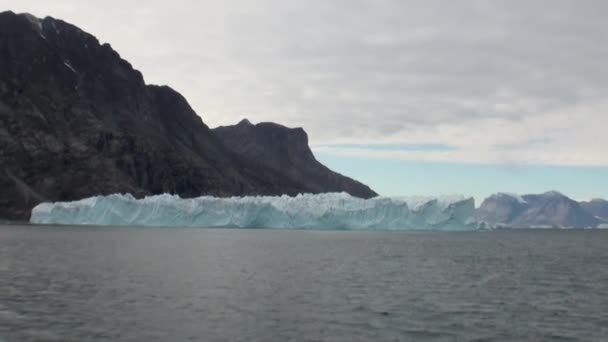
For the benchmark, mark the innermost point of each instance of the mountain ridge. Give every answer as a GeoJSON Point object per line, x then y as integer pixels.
{"type": "Point", "coordinates": [549, 209]}
{"type": "Point", "coordinates": [286, 149]}
{"type": "Point", "coordinates": [597, 207]}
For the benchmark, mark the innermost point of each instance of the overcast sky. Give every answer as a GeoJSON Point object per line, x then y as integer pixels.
{"type": "Point", "coordinates": [476, 82]}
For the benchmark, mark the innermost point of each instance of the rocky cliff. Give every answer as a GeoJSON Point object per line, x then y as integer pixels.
{"type": "Point", "coordinates": [286, 150]}
{"type": "Point", "coordinates": [77, 120]}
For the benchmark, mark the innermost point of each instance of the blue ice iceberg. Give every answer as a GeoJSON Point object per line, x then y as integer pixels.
{"type": "Point", "coordinates": [307, 211]}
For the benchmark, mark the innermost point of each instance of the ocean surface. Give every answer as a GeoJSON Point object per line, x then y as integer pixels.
{"type": "Point", "coordinates": [148, 284]}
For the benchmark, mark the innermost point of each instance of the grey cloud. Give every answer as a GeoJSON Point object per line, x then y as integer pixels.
{"type": "Point", "coordinates": [523, 145]}
{"type": "Point", "coordinates": [359, 69]}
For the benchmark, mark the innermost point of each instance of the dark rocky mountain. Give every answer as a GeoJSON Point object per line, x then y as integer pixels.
{"type": "Point", "coordinates": [286, 150]}
{"type": "Point", "coordinates": [550, 209]}
{"type": "Point", "coordinates": [77, 120]}
{"type": "Point", "coordinates": [596, 207]}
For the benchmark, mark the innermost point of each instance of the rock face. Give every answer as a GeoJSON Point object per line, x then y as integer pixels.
{"type": "Point", "coordinates": [597, 207]}
{"type": "Point", "coordinates": [76, 120]}
{"type": "Point", "coordinates": [286, 150]}
{"type": "Point", "coordinates": [550, 209]}
{"type": "Point", "coordinates": [501, 208]}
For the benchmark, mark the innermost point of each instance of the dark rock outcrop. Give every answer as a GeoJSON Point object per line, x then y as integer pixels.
{"type": "Point", "coordinates": [550, 209]}
{"type": "Point", "coordinates": [597, 207]}
{"type": "Point", "coordinates": [285, 150]}
{"type": "Point", "coordinates": [77, 120]}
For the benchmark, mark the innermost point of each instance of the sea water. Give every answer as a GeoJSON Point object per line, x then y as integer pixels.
{"type": "Point", "coordinates": [154, 284]}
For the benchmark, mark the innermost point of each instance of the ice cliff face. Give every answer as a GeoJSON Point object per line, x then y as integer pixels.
{"type": "Point", "coordinates": [323, 211]}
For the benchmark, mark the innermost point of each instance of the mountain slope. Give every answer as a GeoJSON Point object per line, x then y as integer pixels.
{"type": "Point", "coordinates": [596, 207]}
{"type": "Point", "coordinates": [550, 209]}
{"type": "Point", "coordinates": [77, 120]}
{"type": "Point", "coordinates": [501, 208]}
{"type": "Point", "coordinates": [286, 150]}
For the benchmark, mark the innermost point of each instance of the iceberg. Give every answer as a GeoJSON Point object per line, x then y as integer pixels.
{"type": "Point", "coordinates": [331, 211]}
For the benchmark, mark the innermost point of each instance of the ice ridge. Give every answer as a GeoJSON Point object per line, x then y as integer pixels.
{"type": "Point", "coordinates": [335, 211]}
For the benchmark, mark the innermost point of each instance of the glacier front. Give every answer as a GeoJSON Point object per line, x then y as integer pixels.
{"type": "Point", "coordinates": [337, 211]}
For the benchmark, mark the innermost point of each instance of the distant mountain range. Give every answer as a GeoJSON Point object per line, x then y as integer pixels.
{"type": "Point", "coordinates": [77, 120]}
{"type": "Point", "coordinates": [549, 210]}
